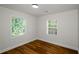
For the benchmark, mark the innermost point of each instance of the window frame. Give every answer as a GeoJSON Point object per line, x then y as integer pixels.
{"type": "Point", "coordinates": [55, 28]}
{"type": "Point", "coordinates": [23, 23]}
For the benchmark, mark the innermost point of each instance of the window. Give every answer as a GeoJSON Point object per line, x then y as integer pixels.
{"type": "Point", "coordinates": [17, 26]}
{"type": "Point", "coordinates": [51, 27]}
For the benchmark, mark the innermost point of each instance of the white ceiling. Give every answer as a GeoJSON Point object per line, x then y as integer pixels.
{"type": "Point", "coordinates": [43, 8]}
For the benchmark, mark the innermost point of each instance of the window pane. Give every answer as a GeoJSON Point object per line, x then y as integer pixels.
{"type": "Point", "coordinates": [18, 26]}
{"type": "Point", "coordinates": [52, 27]}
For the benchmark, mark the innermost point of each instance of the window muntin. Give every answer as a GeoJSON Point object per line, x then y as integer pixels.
{"type": "Point", "coordinates": [52, 27]}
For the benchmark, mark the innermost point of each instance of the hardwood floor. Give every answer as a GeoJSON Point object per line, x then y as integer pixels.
{"type": "Point", "coordinates": [40, 47]}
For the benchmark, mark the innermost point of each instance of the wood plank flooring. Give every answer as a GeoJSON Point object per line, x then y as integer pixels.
{"type": "Point", "coordinates": [40, 47]}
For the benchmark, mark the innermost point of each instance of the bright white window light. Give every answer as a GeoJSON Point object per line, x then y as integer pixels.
{"type": "Point", "coordinates": [35, 6]}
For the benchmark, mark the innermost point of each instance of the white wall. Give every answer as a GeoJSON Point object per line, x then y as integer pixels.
{"type": "Point", "coordinates": [6, 40]}
{"type": "Point", "coordinates": [67, 34]}
{"type": "Point", "coordinates": [78, 30]}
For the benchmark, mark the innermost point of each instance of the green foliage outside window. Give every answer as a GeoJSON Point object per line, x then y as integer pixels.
{"type": "Point", "coordinates": [52, 27]}
{"type": "Point", "coordinates": [17, 26]}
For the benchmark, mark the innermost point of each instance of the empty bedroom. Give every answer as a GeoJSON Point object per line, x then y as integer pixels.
{"type": "Point", "coordinates": [39, 28]}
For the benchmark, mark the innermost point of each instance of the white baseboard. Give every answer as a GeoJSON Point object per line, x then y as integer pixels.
{"type": "Point", "coordinates": [4, 50]}
{"type": "Point", "coordinates": [60, 45]}
{"type": "Point", "coordinates": [7, 49]}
